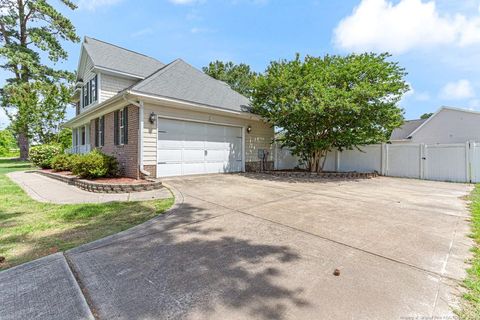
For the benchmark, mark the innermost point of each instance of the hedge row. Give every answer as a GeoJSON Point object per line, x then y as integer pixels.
{"type": "Point", "coordinates": [91, 165]}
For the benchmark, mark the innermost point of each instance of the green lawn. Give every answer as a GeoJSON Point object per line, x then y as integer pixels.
{"type": "Point", "coordinates": [31, 229]}
{"type": "Point", "coordinates": [471, 307]}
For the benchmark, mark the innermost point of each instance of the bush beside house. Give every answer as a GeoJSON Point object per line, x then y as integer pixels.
{"type": "Point", "coordinates": [42, 155]}
{"type": "Point", "coordinates": [90, 166]}
{"type": "Point", "coordinates": [95, 165]}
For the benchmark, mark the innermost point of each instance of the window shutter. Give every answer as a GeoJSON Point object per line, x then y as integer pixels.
{"type": "Point", "coordinates": [125, 125]}
{"type": "Point", "coordinates": [115, 127]}
{"type": "Point", "coordinates": [97, 128]}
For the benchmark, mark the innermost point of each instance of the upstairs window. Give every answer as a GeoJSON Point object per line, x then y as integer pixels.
{"type": "Point", "coordinates": [90, 91]}
{"type": "Point", "coordinates": [93, 89]}
{"type": "Point", "coordinates": [85, 95]}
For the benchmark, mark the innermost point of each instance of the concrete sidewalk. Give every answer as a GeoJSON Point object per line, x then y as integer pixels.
{"type": "Point", "coordinates": [42, 289]}
{"type": "Point", "coordinates": [45, 189]}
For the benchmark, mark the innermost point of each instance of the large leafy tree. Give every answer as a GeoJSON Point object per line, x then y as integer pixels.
{"type": "Point", "coordinates": [36, 95]}
{"type": "Point", "coordinates": [322, 103]}
{"type": "Point", "coordinates": [240, 77]}
{"type": "Point", "coordinates": [7, 142]}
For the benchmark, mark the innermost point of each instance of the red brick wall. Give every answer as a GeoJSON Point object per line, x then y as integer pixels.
{"type": "Point", "coordinates": [152, 169]}
{"type": "Point", "coordinates": [127, 155]}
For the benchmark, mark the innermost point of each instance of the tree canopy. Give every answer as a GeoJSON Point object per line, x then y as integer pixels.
{"type": "Point", "coordinates": [240, 77]}
{"type": "Point", "coordinates": [7, 142]}
{"type": "Point", "coordinates": [322, 103]}
{"type": "Point", "coordinates": [35, 96]}
{"type": "Point", "coordinates": [426, 115]}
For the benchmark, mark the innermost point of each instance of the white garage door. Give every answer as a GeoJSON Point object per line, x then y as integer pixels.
{"type": "Point", "coordinates": [186, 147]}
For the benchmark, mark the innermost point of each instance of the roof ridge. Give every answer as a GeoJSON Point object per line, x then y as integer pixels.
{"type": "Point", "coordinates": [114, 45]}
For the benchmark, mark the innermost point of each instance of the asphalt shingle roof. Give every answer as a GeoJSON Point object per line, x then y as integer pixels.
{"type": "Point", "coordinates": [406, 129]}
{"type": "Point", "coordinates": [110, 56]}
{"type": "Point", "coordinates": [179, 80]}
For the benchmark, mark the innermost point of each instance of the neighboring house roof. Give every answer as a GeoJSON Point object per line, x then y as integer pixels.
{"type": "Point", "coordinates": [181, 81]}
{"type": "Point", "coordinates": [117, 59]}
{"type": "Point", "coordinates": [406, 130]}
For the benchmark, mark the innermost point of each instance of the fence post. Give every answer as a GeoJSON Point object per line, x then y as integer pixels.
{"type": "Point", "coordinates": [385, 155]}
{"type": "Point", "coordinates": [423, 161]}
{"type": "Point", "coordinates": [468, 161]}
{"type": "Point", "coordinates": [337, 160]}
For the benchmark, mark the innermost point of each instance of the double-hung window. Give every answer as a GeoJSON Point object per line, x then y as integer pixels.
{"type": "Point", "coordinates": [85, 95]}
{"type": "Point", "coordinates": [100, 131]}
{"type": "Point", "coordinates": [90, 92]}
{"type": "Point", "coordinates": [121, 126]}
{"type": "Point", "coordinates": [93, 89]}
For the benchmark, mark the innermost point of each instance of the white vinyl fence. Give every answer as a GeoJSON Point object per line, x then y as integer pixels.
{"type": "Point", "coordinates": [443, 162]}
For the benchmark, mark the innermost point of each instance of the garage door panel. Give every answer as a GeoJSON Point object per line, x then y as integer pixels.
{"type": "Point", "coordinates": [193, 168]}
{"type": "Point", "coordinates": [169, 169]}
{"type": "Point", "coordinates": [170, 155]}
{"type": "Point", "coordinates": [193, 155]}
{"type": "Point", "coordinates": [215, 167]}
{"type": "Point", "coordinates": [169, 143]}
{"type": "Point", "coordinates": [194, 148]}
{"type": "Point", "coordinates": [216, 155]}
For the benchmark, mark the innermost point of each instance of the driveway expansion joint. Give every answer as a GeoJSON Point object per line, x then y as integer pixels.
{"type": "Point", "coordinates": [82, 287]}
{"type": "Point", "coordinates": [439, 274]}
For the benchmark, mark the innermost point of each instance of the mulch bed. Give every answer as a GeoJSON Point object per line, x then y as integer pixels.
{"type": "Point", "coordinates": [103, 185]}
{"type": "Point", "coordinates": [323, 175]}
{"type": "Point", "coordinates": [115, 180]}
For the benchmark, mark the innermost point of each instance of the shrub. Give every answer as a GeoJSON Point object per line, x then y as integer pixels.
{"type": "Point", "coordinates": [42, 155]}
{"type": "Point", "coordinates": [95, 165]}
{"type": "Point", "coordinates": [63, 162]}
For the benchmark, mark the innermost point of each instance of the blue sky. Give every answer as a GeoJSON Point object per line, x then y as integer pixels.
{"type": "Point", "coordinates": [438, 42]}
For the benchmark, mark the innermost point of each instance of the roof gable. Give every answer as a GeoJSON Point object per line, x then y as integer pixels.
{"type": "Point", "coordinates": [181, 81]}
{"type": "Point", "coordinates": [117, 59]}
{"type": "Point", "coordinates": [406, 129]}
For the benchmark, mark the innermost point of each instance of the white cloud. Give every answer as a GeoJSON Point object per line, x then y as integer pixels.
{"type": "Point", "coordinates": [422, 96]}
{"type": "Point", "coordinates": [458, 90]}
{"type": "Point", "coordinates": [381, 25]}
{"type": "Point", "coordinates": [92, 5]}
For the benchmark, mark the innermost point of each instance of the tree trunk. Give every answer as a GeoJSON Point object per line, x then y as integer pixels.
{"type": "Point", "coordinates": [23, 144]}
{"type": "Point", "coordinates": [317, 161]}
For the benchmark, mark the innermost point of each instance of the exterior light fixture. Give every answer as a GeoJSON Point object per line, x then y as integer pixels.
{"type": "Point", "coordinates": [152, 117]}
{"type": "Point", "coordinates": [249, 129]}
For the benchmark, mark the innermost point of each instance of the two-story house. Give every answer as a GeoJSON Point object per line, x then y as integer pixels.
{"type": "Point", "coordinates": [163, 119]}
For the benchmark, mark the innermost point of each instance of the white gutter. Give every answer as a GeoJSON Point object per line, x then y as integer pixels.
{"type": "Point", "coordinates": [196, 106]}
{"type": "Point", "coordinates": [140, 134]}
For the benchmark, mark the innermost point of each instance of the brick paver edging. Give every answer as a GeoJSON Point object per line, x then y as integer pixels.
{"type": "Point", "coordinates": [104, 187]}
{"type": "Point", "coordinates": [324, 175]}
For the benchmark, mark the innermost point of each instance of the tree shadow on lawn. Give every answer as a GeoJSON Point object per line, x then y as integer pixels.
{"type": "Point", "coordinates": [66, 226]}
{"type": "Point", "coordinates": [187, 264]}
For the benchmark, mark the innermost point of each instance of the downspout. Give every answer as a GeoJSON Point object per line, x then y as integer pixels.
{"type": "Point", "coordinates": [140, 134]}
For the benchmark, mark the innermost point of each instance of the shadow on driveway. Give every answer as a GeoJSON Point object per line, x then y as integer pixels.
{"type": "Point", "coordinates": [176, 269]}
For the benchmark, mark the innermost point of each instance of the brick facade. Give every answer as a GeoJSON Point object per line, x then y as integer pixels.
{"type": "Point", "coordinates": [152, 169]}
{"type": "Point", "coordinates": [127, 154]}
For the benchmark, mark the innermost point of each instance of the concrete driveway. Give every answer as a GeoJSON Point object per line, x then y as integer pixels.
{"type": "Point", "coordinates": [258, 247]}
